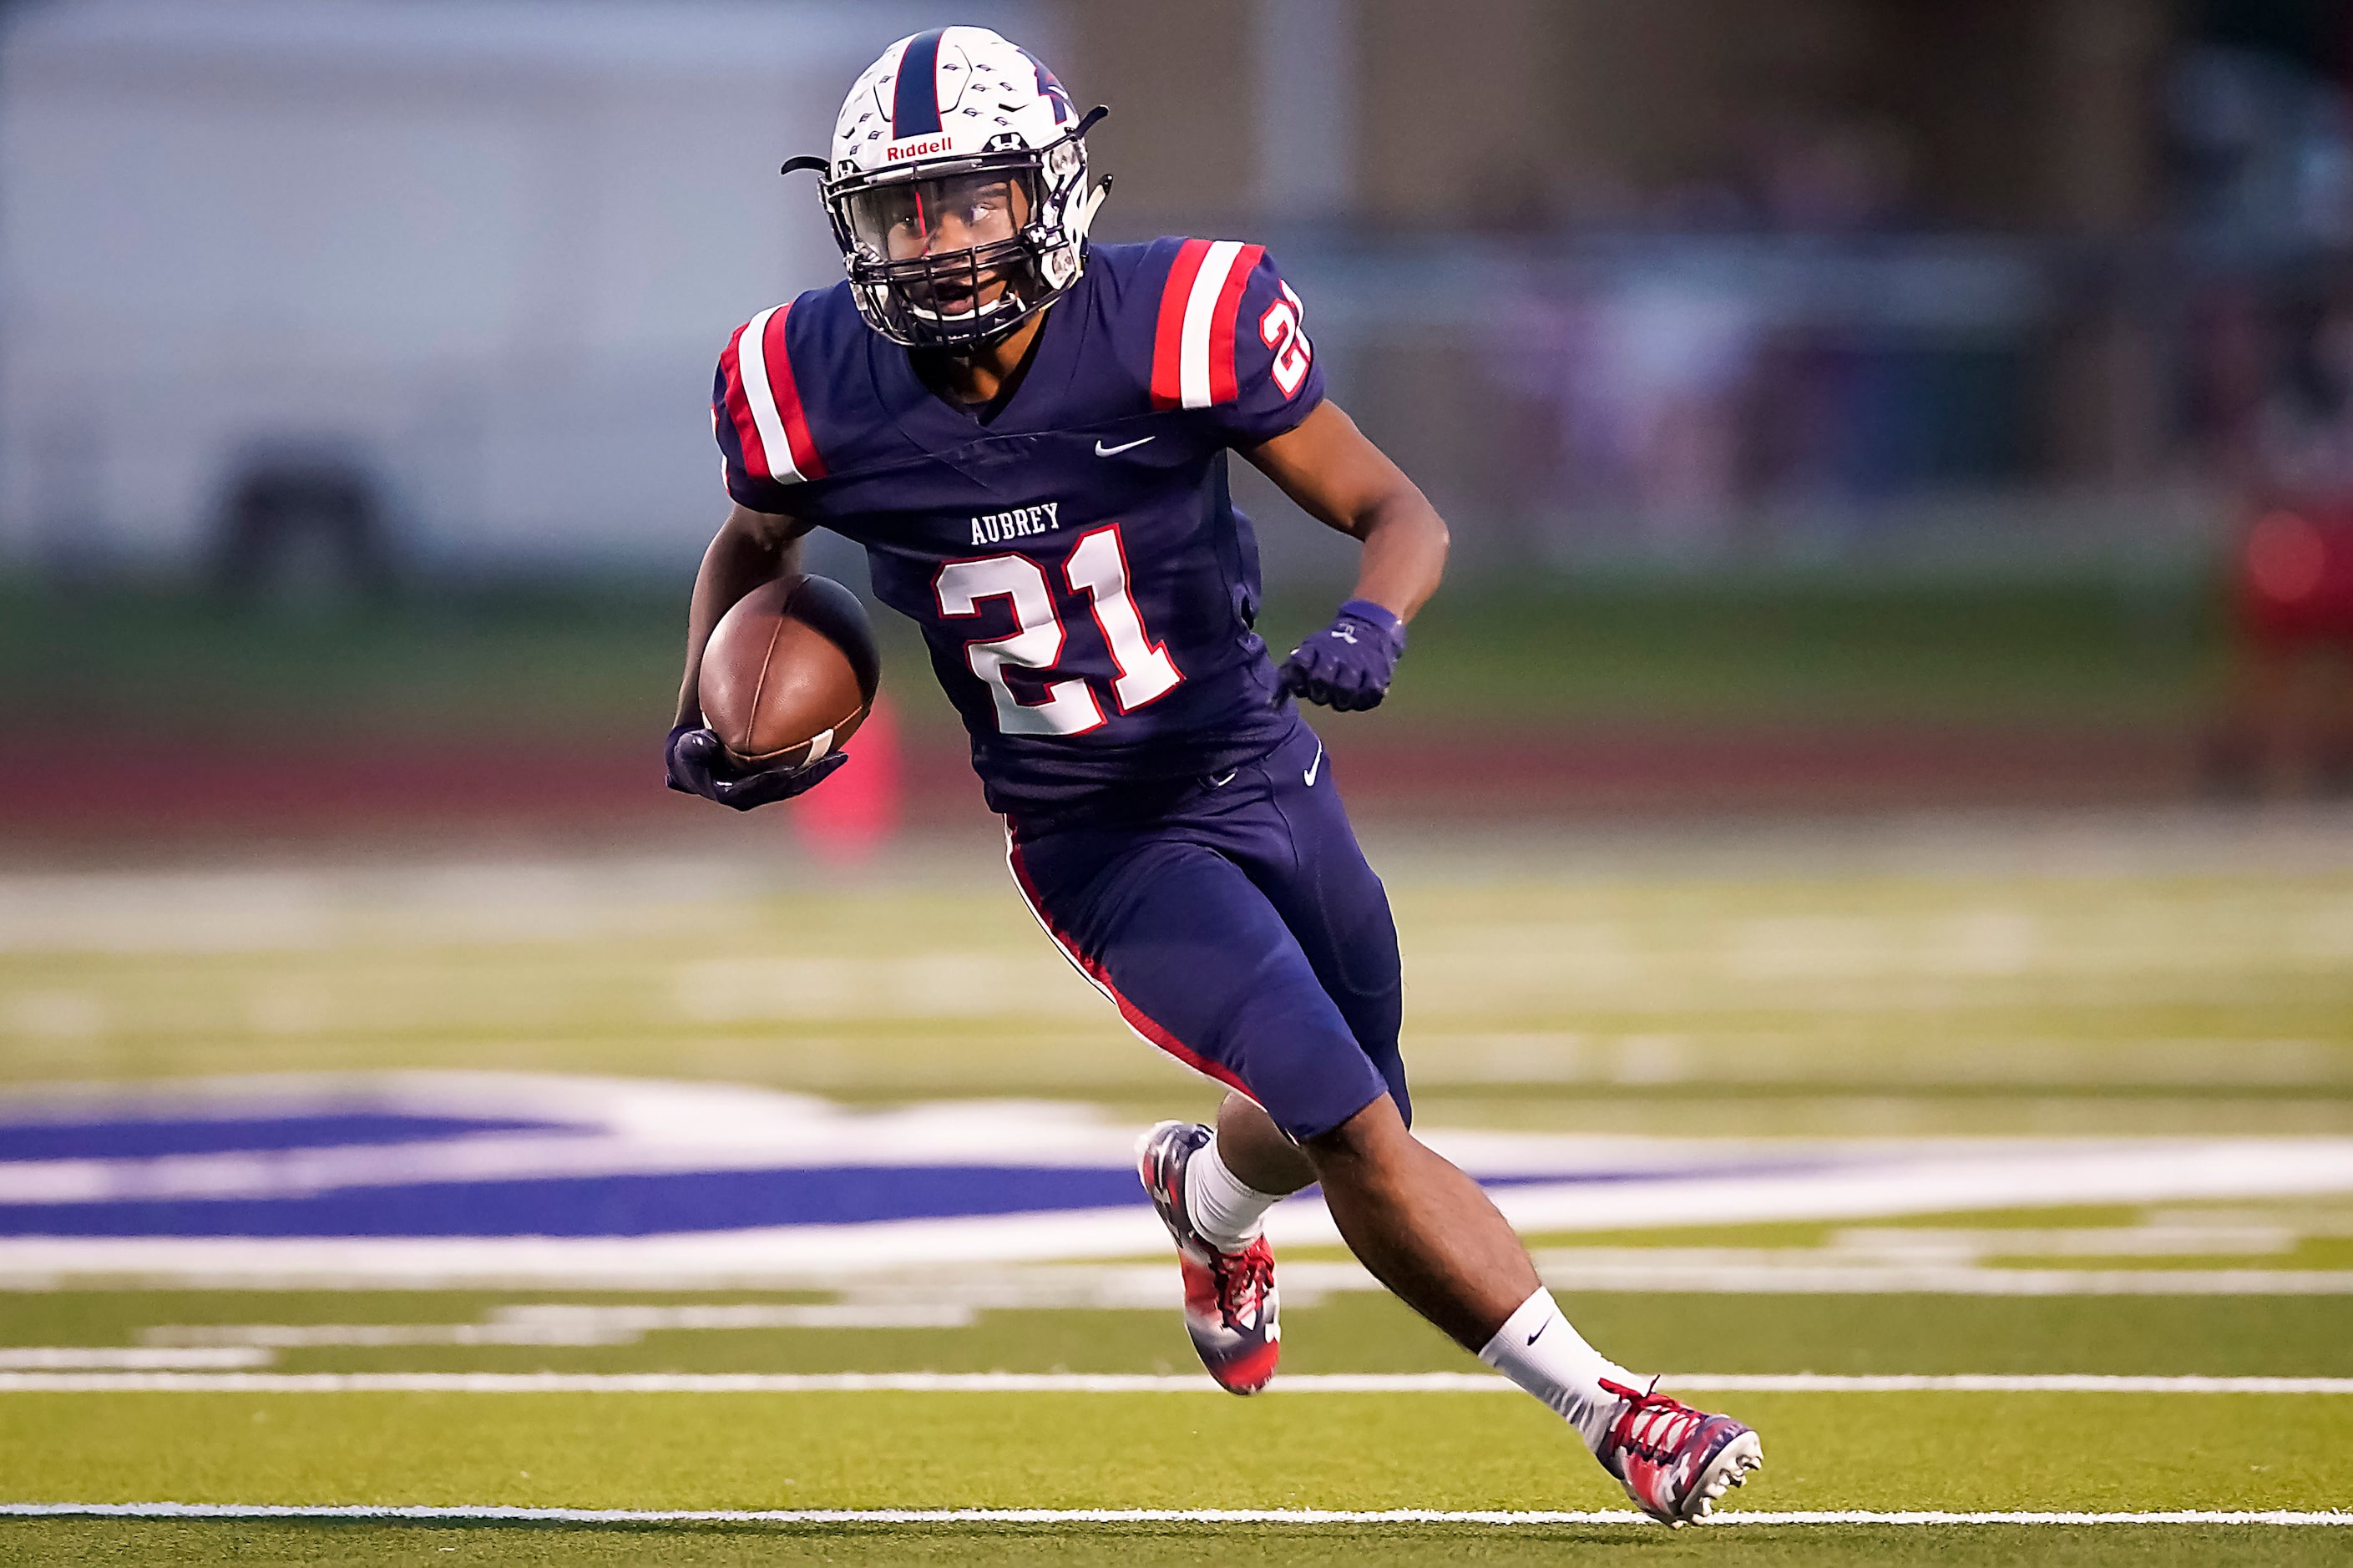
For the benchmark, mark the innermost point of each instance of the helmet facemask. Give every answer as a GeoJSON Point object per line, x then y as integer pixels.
{"type": "Point", "coordinates": [945, 259]}
{"type": "Point", "coordinates": [954, 253]}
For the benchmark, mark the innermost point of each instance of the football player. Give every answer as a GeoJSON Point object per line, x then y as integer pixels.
{"type": "Point", "coordinates": [1028, 433]}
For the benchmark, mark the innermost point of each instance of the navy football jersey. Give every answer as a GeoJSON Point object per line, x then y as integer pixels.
{"type": "Point", "coordinates": [1081, 577]}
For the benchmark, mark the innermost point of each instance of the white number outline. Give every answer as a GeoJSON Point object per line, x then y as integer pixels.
{"type": "Point", "coordinates": [1069, 706]}
{"type": "Point", "coordinates": [1280, 330]}
{"type": "Point", "coordinates": [1145, 673]}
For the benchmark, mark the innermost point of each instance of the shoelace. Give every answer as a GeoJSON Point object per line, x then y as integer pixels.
{"type": "Point", "coordinates": [1653, 1426]}
{"type": "Point", "coordinates": [1242, 1280]}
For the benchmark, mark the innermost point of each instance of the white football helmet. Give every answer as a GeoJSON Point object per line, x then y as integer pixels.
{"type": "Point", "coordinates": [957, 188]}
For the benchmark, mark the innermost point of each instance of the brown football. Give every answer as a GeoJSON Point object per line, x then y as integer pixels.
{"type": "Point", "coordinates": [790, 671]}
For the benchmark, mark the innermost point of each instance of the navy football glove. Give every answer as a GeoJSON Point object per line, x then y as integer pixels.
{"type": "Point", "coordinates": [1347, 664]}
{"type": "Point", "coordinates": [700, 765]}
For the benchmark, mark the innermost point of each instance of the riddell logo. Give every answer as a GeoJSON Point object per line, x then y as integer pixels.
{"type": "Point", "coordinates": [917, 149]}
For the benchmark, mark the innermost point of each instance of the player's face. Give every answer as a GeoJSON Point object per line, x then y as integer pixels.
{"type": "Point", "coordinates": [931, 218]}
{"type": "Point", "coordinates": [941, 217]}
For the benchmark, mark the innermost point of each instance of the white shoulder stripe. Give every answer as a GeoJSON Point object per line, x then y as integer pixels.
{"type": "Point", "coordinates": [752, 365]}
{"type": "Point", "coordinates": [1200, 315]}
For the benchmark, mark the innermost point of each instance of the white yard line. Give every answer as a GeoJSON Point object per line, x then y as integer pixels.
{"type": "Point", "coordinates": [1098, 1383]}
{"type": "Point", "coordinates": [1999, 1383]}
{"type": "Point", "coordinates": [1810, 1273]}
{"type": "Point", "coordinates": [495, 1515]}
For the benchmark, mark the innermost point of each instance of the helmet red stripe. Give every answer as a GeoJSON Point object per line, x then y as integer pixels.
{"type": "Point", "coordinates": [1167, 342]}
{"type": "Point", "coordinates": [1224, 384]}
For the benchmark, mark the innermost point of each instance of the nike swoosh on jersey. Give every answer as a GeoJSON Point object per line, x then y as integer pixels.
{"type": "Point", "coordinates": [1316, 766]}
{"type": "Point", "coordinates": [1104, 451]}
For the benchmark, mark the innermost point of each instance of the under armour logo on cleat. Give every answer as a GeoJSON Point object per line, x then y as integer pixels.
{"type": "Point", "coordinates": [1104, 451]}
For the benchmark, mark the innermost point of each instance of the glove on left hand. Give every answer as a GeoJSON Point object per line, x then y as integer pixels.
{"type": "Point", "coordinates": [699, 764]}
{"type": "Point", "coordinates": [1348, 666]}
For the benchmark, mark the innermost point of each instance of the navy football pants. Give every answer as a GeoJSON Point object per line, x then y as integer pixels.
{"type": "Point", "coordinates": [1240, 930]}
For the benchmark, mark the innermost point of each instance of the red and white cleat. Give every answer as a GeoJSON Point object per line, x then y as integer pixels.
{"type": "Point", "coordinates": [1230, 1311]}
{"type": "Point", "coordinates": [1675, 1461]}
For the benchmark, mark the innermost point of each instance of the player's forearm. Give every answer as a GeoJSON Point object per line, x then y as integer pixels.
{"type": "Point", "coordinates": [1337, 477]}
{"type": "Point", "coordinates": [1405, 552]}
{"type": "Point", "coordinates": [737, 562]}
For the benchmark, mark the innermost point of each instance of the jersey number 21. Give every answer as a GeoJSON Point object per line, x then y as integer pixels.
{"type": "Point", "coordinates": [1096, 567]}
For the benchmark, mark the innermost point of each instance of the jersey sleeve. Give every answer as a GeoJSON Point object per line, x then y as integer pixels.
{"type": "Point", "coordinates": [1233, 341]}
{"type": "Point", "coordinates": [757, 415]}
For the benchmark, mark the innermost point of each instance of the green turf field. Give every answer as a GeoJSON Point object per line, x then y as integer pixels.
{"type": "Point", "coordinates": [2142, 976]}
{"type": "Point", "coordinates": [1548, 983]}
{"type": "Point", "coordinates": [1470, 1451]}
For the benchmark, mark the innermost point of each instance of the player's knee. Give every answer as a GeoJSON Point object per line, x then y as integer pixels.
{"type": "Point", "coordinates": [1394, 1071]}
{"type": "Point", "coordinates": [1374, 1137]}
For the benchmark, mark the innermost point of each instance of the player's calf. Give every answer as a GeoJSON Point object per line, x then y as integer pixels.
{"type": "Point", "coordinates": [1428, 1232]}
{"type": "Point", "coordinates": [1254, 1153]}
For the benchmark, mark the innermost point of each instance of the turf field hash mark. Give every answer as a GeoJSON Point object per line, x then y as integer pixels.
{"type": "Point", "coordinates": [129, 1358]}
{"type": "Point", "coordinates": [552, 1323]}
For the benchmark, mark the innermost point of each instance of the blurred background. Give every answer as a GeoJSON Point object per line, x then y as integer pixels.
{"type": "Point", "coordinates": [1839, 404]}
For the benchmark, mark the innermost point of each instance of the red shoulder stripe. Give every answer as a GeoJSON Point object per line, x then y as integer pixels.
{"type": "Point", "coordinates": [739, 408]}
{"type": "Point", "coordinates": [1224, 376]}
{"type": "Point", "coordinates": [1169, 342]}
{"type": "Point", "coordinates": [764, 401]}
{"type": "Point", "coordinates": [807, 460]}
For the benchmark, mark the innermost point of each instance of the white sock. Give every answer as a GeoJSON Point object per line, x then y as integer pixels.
{"type": "Point", "coordinates": [1536, 1349]}
{"type": "Point", "coordinates": [1227, 1213]}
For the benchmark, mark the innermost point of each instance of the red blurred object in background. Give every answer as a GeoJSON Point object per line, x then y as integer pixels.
{"type": "Point", "coordinates": [856, 812]}
{"type": "Point", "coordinates": [2296, 574]}
{"type": "Point", "coordinates": [2287, 714]}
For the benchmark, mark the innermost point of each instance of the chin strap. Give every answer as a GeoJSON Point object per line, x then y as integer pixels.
{"type": "Point", "coordinates": [815, 165]}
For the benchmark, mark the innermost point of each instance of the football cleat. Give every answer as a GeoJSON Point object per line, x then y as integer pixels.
{"type": "Point", "coordinates": [1673, 1460]}
{"type": "Point", "coordinates": [1231, 1312]}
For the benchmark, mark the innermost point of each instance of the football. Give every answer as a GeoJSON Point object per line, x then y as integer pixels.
{"type": "Point", "coordinates": [790, 671]}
